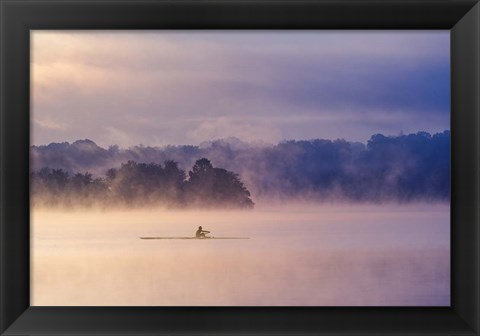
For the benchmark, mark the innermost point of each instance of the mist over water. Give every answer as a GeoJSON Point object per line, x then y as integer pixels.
{"type": "Point", "coordinates": [297, 255]}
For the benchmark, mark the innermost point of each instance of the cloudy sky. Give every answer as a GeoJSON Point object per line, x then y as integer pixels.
{"type": "Point", "coordinates": [183, 87]}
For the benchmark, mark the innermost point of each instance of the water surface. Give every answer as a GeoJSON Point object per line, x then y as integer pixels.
{"type": "Point", "coordinates": [297, 255]}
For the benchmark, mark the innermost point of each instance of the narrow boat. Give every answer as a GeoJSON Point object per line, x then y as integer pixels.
{"type": "Point", "coordinates": [205, 238]}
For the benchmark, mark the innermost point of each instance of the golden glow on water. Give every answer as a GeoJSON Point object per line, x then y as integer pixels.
{"type": "Point", "coordinates": [297, 255]}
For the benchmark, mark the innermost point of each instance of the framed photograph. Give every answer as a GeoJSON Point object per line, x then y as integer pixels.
{"type": "Point", "coordinates": [228, 167]}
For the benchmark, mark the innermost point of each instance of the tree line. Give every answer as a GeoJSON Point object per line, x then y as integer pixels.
{"type": "Point", "coordinates": [142, 184]}
{"type": "Point", "coordinates": [403, 168]}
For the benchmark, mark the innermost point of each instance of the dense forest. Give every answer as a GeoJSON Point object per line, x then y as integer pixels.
{"type": "Point", "coordinates": [140, 184]}
{"type": "Point", "coordinates": [403, 168]}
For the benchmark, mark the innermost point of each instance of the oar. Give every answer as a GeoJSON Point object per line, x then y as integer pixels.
{"type": "Point", "coordinates": [151, 238]}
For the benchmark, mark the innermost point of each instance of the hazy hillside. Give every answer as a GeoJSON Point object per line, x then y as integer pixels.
{"type": "Point", "coordinates": [399, 168]}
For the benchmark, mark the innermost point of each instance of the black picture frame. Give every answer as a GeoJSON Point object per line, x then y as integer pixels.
{"type": "Point", "coordinates": [18, 17]}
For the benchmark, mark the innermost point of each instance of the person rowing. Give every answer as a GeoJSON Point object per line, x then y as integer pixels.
{"type": "Point", "coordinates": [201, 233]}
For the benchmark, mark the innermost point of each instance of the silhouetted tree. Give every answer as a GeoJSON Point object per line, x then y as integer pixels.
{"type": "Point", "coordinates": [142, 183]}
{"type": "Point", "coordinates": [209, 186]}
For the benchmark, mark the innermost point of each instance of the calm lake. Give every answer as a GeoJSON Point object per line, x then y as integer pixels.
{"type": "Point", "coordinates": [297, 255]}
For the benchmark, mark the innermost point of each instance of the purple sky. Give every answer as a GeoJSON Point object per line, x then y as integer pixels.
{"type": "Point", "coordinates": [170, 87]}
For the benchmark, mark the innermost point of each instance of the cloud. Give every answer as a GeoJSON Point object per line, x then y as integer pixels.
{"type": "Point", "coordinates": [160, 87]}
{"type": "Point", "coordinates": [224, 127]}
{"type": "Point", "coordinates": [49, 125]}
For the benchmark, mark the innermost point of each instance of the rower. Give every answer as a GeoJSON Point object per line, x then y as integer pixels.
{"type": "Point", "coordinates": [201, 233]}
